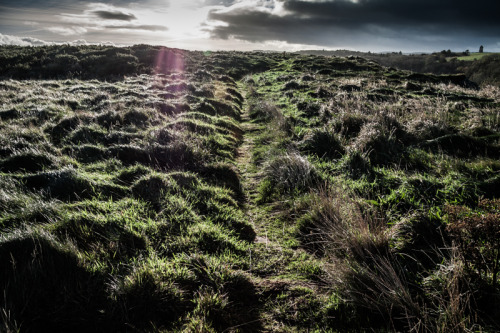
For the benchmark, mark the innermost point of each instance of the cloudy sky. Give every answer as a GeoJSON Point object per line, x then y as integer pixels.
{"type": "Point", "coordinates": [364, 25]}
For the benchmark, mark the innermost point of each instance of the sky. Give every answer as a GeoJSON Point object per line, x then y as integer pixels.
{"type": "Point", "coordinates": [362, 25]}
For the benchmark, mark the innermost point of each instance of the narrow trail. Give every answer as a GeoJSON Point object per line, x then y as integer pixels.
{"type": "Point", "coordinates": [268, 223]}
{"type": "Point", "coordinates": [278, 269]}
{"type": "Point", "coordinates": [249, 173]}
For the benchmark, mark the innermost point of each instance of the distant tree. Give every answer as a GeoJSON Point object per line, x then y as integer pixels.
{"type": "Point", "coordinates": [481, 48]}
{"type": "Point", "coordinates": [467, 52]}
{"type": "Point", "coordinates": [447, 53]}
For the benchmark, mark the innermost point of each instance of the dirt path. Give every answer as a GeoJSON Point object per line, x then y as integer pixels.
{"type": "Point", "coordinates": [249, 173]}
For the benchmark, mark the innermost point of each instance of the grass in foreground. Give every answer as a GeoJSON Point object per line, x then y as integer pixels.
{"type": "Point", "coordinates": [315, 193]}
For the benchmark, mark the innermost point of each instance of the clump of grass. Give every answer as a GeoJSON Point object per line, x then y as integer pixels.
{"type": "Point", "coordinates": [462, 145]}
{"type": "Point", "coordinates": [31, 211]}
{"type": "Point", "coordinates": [370, 277]}
{"type": "Point", "coordinates": [323, 143]}
{"type": "Point", "coordinates": [86, 153]}
{"type": "Point", "coordinates": [104, 236]}
{"type": "Point", "coordinates": [292, 85]}
{"type": "Point", "coordinates": [153, 188]}
{"type": "Point", "coordinates": [90, 134]}
{"type": "Point", "coordinates": [356, 165]}
{"type": "Point", "coordinates": [109, 119]}
{"type": "Point", "coordinates": [475, 235]}
{"type": "Point", "coordinates": [37, 269]}
{"type": "Point", "coordinates": [288, 174]}
{"type": "Point", "coordinates": [148, 299]}
{"type": "Point", "coordinates": [132, 173]}
{"type": "Point", "coordinates": [379, 143]}
{"type": "Point", "coordinates": [66, 184]}
{"type": "Point", "coordinates": [427, 129]}
{"type": "Point", "coordinates": [63, 128]}
{"type": "Point", "coordinates": [264, 111]}
{"type": "Point", "coordinates": [232, 293]}
{"type": "Point", "coordinates": [139, 118]}
{"type": "Point", "coordinates": [349, 125]}
{"type": "Point", "coordinates": [211, 238]}
{"type": "Point", "coordinates": [347, 229]}
{"type": "Point", "coordinates": [177, 155]}
{"type": "Point", "coordinates": [163, 136]}
{"type": "Point", "coordinates": [224, 174]}
{"type": "Point", "coordinates": [28, 161]}
{"type": "Point", "coordinates": [129, 154]}
{"type": "Point", "coordinates": [309, 109]}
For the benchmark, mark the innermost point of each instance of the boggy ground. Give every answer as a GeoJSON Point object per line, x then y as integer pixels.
{"type": "Point", "coordinates": [302, 193]}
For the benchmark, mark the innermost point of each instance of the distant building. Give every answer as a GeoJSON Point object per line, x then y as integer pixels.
{"type": "Point", "coordinates": [481, 48]}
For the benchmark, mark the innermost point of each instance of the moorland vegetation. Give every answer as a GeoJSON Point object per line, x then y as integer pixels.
{"type": "Point", "coordinates": [154, 189]}
{"type": "Point", "coordinates": [481, 68]}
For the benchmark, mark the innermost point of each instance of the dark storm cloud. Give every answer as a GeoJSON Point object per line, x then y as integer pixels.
{"type": "Point", "coordinates": [138, 27]}
{"type": "Point", "coordinates": [322, 22]}
{"type": "Point", "coordinates": [480, 12]}
{"type": "Point", "coordinates": [114, 15]}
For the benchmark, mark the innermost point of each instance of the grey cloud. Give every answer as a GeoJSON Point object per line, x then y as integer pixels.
{"type": "Point", "coordinates": [114, 15]}
{"type": "Point", "coordinates": [480, 12]}
{"type": "Point", "coordinates": [225, 3]}
{"type": "Point", "coordinates": [57, 3]}
{"type": "Point", "coordinates": [337, 22]}
{"type": "Point", "coordinates": [139, 27]}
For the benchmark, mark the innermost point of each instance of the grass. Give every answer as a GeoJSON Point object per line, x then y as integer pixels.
{"type": "Point", "coordinates": [474, 56]}
{"type": "Point", "coordinates": [250, 192]}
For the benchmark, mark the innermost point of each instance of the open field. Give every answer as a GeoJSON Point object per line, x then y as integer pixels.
{"type": "Point", "coordinates": [476, 56]}
{"type": "Point", "coordinates": [147, 189]}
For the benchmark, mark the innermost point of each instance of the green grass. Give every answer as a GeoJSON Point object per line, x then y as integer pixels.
{"type": "Point", "coordinates": [475, 56]}
{"type": "Point", "coordinates": [251, 192]}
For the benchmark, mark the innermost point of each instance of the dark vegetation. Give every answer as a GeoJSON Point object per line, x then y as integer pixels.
{"type": "Point", "coordinates": [482, 71]}
{"type": "Point", "coordinates": [153, 189]}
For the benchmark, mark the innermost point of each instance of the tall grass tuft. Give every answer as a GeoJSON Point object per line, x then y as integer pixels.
{"type": "Point", "coordinates": [288, 174]}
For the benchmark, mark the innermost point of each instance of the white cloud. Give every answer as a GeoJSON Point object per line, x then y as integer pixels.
{"type": "Point", "coordinates": [79, 42]}
{"type": "Point", "coordinates": [22, 41]}
{"type": "Point", "coordinates": [31, 23]}
{"type": "Point", "coordinates": [67, 31]}
{"type": "Point", "coordinates": [30, 41]}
